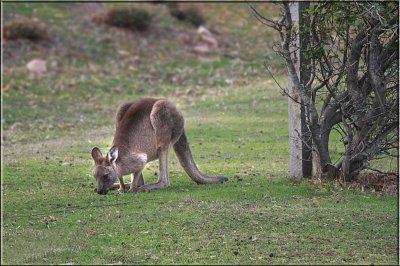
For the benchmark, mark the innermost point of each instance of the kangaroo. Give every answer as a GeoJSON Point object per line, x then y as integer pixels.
{"type": "Point", "coordinates": [145, 130]}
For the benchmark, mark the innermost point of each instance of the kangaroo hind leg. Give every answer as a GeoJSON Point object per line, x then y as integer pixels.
{"type": "Point", "coordinates": [163, 180]}
{"type": "Point", "coordinates": [167, 123]}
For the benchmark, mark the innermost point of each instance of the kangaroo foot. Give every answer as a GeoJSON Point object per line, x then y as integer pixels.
{"type": "Point", "coordinates": [150, 187]}
{"type": "Point", "coordinates": [133, 189]}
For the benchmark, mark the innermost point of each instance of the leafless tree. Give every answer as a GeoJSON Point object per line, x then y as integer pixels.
{"type": "Point", "coordinates": [353, 87]}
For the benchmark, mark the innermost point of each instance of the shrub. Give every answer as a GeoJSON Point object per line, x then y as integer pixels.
{"type": "Point", "coordinates": [25, 29]}
{"type": "Point", "coordinates": [191, 15]}
{"type": "Point", "coordinates": [131, 18]}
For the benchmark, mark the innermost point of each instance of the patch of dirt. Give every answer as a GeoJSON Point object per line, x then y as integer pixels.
{"type": "Point", "coordinates": [378, 183]}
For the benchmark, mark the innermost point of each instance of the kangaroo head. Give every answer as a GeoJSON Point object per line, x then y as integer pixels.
{"type": "Point", "coordinates": [104, 171]}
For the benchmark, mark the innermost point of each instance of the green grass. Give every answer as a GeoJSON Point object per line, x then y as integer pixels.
{"type": "Point", "coordinates": [235, 128]}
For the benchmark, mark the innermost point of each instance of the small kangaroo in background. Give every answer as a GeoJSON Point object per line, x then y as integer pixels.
{"type": "Point", "coordinates": [145, 130]}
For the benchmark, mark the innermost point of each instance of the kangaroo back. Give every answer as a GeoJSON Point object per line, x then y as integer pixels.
{"type": "Point", "coordinates": [182, 150]}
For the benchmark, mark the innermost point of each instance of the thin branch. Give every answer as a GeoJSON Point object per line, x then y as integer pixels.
{"type": "Point", "coordinates": [284, 91]}
{"type": "Point", "coordinates": [277, 25]}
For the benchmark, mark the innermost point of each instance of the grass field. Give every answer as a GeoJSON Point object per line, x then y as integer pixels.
{"type": "Point", "coordinates": [236, 123]}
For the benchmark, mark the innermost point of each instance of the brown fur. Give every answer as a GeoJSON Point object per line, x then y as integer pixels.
{"type": "Point", "coordinates": [145, 130]}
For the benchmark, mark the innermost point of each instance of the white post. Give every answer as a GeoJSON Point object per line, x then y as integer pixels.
{"type": "Point", "coordinates": [300, 154]}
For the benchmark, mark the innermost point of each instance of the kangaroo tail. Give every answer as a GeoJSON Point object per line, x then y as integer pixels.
{"type": "Point", "coordinates": [185, 158]}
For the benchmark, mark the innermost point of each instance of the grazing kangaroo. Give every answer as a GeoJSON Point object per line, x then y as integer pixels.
{"type": "Point", "coordinates": [145, 130]}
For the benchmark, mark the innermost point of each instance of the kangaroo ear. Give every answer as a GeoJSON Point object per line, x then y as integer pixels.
{"type": "Point", "coordinates": [113, 154]}
{"type": "Point", "coordinates": [96, 155]}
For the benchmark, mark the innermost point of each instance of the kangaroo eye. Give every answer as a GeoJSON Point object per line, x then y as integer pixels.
{"type": "Point", "coordinates": [105, 176]}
